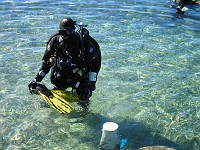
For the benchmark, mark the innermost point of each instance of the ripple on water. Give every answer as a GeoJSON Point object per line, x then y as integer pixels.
{"type": "Point", "coordinates": [149, 81]}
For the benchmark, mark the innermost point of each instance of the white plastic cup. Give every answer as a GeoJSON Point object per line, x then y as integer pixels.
{"type": "Point", "coordinates": [109, 138]}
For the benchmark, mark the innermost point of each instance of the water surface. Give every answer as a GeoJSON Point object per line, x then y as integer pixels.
{"type": "Point", "coordinates": [148, 84]}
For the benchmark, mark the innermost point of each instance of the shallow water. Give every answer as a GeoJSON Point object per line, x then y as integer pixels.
{"type": "Point", "coordinates": [148, 84]}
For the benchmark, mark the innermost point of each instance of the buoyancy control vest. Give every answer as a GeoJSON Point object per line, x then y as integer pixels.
{"type": "Point", "coordinates": [80, 52]}
{"type": "Point", "coordinates": [62, 60]}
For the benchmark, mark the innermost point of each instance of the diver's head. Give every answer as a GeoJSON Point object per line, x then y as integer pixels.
{"type": "Point", "coordinates": [67, 27]}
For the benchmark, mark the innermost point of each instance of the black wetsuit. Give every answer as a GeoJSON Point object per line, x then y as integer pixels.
{"type": "Point", "coordinates": [70, 67]}
{"type": "Point", "coordinates": [184, 2]}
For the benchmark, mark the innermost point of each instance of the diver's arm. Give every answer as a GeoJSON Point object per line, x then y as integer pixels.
{"type": "Point", "coordinates": [44, 69]}
{"type": "Point", "coordinates": [93, 56]}
{"type": "Point", "coordinates": [46, 66]}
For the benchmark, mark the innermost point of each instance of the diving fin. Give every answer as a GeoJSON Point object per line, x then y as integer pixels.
{"type": "Point", "coordinates": [57, 102]}
{"type": "Point", "coordinates": [71, 97]}
{"type": "Point", "coordinates": [67, 95]}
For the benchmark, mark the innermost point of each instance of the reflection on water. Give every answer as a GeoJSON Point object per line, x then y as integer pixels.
{"type": "Point", "coordinates": [149, 81]}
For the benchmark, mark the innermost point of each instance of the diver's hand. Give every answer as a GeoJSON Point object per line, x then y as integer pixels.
{"type": "Point", "coordinates": [32, 87]}
{"type": "Point", "coordinates": [87, 90]}
{"type": "Point", "coordinates": [86, 94]}
{"type": "Point", "coordinates": [84, 99]}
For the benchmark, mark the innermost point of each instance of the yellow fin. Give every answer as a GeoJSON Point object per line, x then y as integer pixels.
{"type": "Point", "coordinates": [67, 95]}
{"type": "Point", "coordinates": [58, 103]}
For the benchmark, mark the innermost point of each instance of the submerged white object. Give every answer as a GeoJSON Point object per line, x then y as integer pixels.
{"type": "Point", "coordinates": [184, 9]}
{"type": "Point", "coordinates": [109, 138]}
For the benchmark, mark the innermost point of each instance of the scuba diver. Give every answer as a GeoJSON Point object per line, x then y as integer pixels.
{"type": "Point", "coordinates": [74, 59]}
{"type": "Point", "coordinates": [180, 9]}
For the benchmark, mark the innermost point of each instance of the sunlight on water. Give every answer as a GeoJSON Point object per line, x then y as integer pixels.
{"type": "Point", "coordinates": [148, 84]}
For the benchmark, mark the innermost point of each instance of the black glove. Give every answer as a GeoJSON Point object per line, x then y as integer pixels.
{"type": "Point", "coordinates": [32, 87]}
{"type": "Point", "coordinates": [84, 99]}
{"type": "Point", "coordinates": [87, 89]}
{"type": "Point", "coordinates": [86, 94]}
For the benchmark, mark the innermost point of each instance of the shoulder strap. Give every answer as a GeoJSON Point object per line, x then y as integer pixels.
{"type": "Point", "coordinates": [55, 34]}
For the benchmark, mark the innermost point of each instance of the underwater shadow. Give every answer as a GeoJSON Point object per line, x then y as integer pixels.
{"type": "Point", "coordinates": [138, 134]}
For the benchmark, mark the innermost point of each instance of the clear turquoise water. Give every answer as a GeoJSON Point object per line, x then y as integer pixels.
{"type": "Point", "coordinates": [149, 82]}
